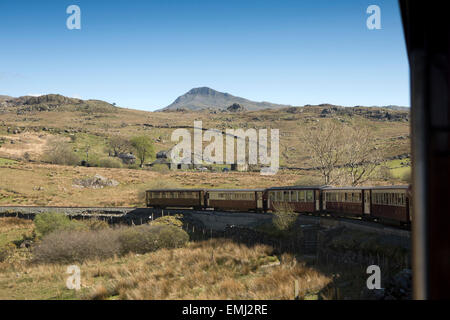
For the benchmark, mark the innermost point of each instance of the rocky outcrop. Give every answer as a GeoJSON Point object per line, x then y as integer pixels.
{"type": "Point", "coordinates": [95, 182]}
{"type": "Point", "coordinates": [236, 107]}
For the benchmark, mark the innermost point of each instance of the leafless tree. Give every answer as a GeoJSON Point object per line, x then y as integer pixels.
{"type": "Point", "coordinates": [342, 154]}
{"type": "Point", "coordinates": [324, 143]}
{"type": "Point", "coordinates": [119, 144]}
{"type": "Point", "coordinates": [361, 156]}
{"type": "Point", "coordinates": [59, 151]}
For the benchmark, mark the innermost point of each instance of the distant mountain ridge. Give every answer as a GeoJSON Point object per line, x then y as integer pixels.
{"type": "Point", "coordinates": [196, 99]}
{"type": "Point", "coordinates": [206, 98]}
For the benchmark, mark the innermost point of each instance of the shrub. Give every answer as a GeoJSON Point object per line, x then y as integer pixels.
{"type": "Point", "coordinates": [284, 217]}
{"type": "Point", "coordinates": [60, 152]}
{"type": "Point", "coordinates": [147, 238]}
{"type": "Point", "coordinates": [63, 246]}
{"type": "Point", "coordinates": [169, 221]}
{"type": "Point", "coordinates": [171, 237]}
{"type": "Point", "coordinates": [96, 224]}
{"type": "Point", "coordinates": [49, 222]}
{"type": "Point", "coordinates": [77, 246]}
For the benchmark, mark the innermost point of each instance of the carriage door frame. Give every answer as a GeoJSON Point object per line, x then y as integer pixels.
{"type": "Point", "coordinates": [367, 198]}
{"type": "Point", "coordinates": [317, 200]}
{"type": "Point", "coordinates": [259, 200]}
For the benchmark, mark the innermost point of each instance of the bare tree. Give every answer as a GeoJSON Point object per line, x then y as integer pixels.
{"type": "Point", "coordinates": [119, 144]}
{"type": "Point", "coordinates": [324, 143]}
{"type": "Point", "coordinates": [360, 154]}
{"type": "Point", "coordinates": [59, 151]}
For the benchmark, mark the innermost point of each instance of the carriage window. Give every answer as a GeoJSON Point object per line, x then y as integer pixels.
{"type": "Point", "coordinates": [301, 196]}
{"type": "Point", "coordinates": [309, 195]}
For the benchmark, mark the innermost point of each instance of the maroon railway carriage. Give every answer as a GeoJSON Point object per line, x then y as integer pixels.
{"type": "Point", "coordinates": [391, 204]}
{"type": "Point", "coordinates": [176, 198]}
{"type": "Point", "coordinates": [235, 199]}
{"type": "Point", "coordinates": [299, 198]}
{"type": "Point", "coordinates": [346, 201]}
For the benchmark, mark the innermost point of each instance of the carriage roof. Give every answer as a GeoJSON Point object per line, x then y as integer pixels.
{"type": "Point", "coordinates": [297, 188]}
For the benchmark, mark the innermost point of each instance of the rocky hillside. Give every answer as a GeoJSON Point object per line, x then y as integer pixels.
{"type": "Point", "coordinates": [53, 102]}
{"type": "Point", "coordinates": [207, 98]}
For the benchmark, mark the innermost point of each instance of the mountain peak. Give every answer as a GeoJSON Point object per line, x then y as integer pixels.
{"type": "Point", "coordinates": [206, 98]}
{"type": "Point", "coordinates": [204, 91]}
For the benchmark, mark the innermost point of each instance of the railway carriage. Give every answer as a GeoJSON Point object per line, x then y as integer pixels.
{"type": "Point", "coordinates": [346, 201]}
{"type": "Point", "coordinates": [391, 204]}
{"type": "Point", "coordinates": [176, 198]}
{"type": "Point", "coordinates": [388, 204]}
{"type": "Point", "coordinates": [236, 199]}
{"type": "Point", "coordinates": [299, 198]}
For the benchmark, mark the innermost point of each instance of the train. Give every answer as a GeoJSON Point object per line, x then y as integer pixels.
{"type": "Point", "coordinates": [385, 204]}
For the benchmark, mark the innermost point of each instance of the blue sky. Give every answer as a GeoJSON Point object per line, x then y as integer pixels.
{"type": "Point", "coordinates": [143, 54]}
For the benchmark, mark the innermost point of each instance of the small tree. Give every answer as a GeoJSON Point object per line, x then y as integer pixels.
{"type": "Point", "coordinates": [144, 148]}
{"type": "Point", "coordinates": [119, 144]}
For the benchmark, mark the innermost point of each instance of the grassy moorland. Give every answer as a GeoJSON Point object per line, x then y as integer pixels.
{"type": "Point", "coordinates": [24, 183]}
{"type": "Point", "coordinates": [212, 269]}
{"type": "Point", "coordinates": [26, 129]}
{"type": "Point", "coordinates": [29, 129]}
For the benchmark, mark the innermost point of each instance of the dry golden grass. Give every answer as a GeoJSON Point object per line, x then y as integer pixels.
{"type": "Point", "coordinates": [214, 269]}
{"type": "Point", "coordinates": [12, 229]}
{"type": "Point", "coordinates": [52, 185]}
